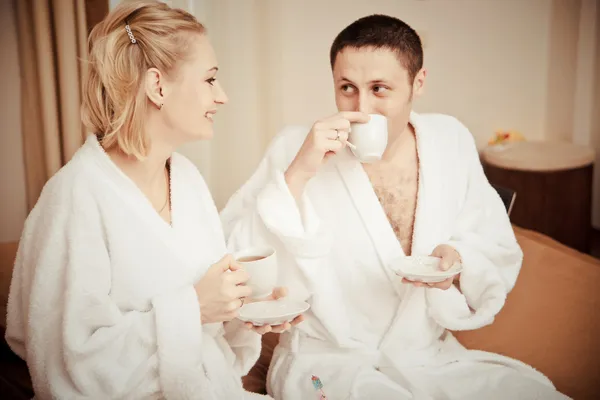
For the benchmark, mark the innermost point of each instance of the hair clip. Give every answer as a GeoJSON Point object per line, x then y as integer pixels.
{"type": "Point", "coordinates": [130, 34]}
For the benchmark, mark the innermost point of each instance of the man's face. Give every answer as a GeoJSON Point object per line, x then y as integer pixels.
{"type": "Point", "coordinates": [375, 82]}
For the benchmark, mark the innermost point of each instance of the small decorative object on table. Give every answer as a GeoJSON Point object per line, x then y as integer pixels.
{"type": "Point", "coordinates": [319, 387]}
{"type": "Point", "coordinates": [504, 137]}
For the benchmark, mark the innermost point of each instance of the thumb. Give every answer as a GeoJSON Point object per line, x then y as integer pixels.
{"type": "Point", "coordinates": [234, 265]}
{"type": "Point", "coordinates": [442, 252]}
{"type": "Point", "coordinates": [279, 292]}
{"type": "Point", "coordinates": [437, 252]}
{"type": "Point", "coordinates": [446, 262]}
{"type": "Point", "coordinates": [224, 263]}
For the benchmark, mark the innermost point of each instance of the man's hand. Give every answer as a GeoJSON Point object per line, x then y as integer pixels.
{"type": "Point", "coordinates": [278, 293]}
{"type": "Point", "coordinates": [327, 137]}
{"type": "Point", "coordinates": [449, 256]}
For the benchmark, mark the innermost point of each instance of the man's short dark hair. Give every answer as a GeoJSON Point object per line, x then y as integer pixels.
{"type": "Point", "coordinates": [382, 31]}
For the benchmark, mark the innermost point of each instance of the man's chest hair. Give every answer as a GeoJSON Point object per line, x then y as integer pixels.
{"type": "Point", "coordinates": [397, 193]}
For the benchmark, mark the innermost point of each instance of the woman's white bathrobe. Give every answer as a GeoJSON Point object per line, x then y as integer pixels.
{"type": "Point", "coordinates": [102, 303]}
{"type": "Point", "coordinates": [368, 336]}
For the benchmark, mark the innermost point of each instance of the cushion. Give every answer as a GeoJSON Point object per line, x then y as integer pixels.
{"type": "Point", "coordinates": [548, 321]}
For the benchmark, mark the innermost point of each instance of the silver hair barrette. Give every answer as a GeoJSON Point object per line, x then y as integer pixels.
{"type": "Point", "coordinates": [130, 34]}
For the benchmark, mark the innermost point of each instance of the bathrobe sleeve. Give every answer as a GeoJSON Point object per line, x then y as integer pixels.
{"type": "Point", "coordinates": [491, 256]}
{"type": "Point", "coordinates": [263, 210]}
{"type": "Point", "coordinates": [244, 344]}
{"type": "Point", "coordinates": [77, 342]}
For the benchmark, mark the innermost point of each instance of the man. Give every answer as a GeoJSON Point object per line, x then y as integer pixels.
{"type": "Point", "coordinates": [338, 226]}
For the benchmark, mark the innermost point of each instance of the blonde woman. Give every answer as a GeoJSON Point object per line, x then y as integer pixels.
{"type": "Point", "coordinates": [122, 287]}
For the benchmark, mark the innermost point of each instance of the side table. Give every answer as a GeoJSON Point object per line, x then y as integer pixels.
{"type": "Point", "coordinates": [553, 185]}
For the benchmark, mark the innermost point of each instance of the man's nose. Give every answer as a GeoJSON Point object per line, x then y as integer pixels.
{"type": "Point", "coordinates": [364, 103]}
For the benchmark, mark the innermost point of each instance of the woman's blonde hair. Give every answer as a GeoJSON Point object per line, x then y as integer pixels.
{"type": "Point", "coordinates": [114, 99]}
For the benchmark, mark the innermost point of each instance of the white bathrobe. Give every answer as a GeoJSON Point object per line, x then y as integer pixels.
{"type": "Point", "coordinates": [367, 335]}
{"type": "Point", "coordinates": [102, 303]}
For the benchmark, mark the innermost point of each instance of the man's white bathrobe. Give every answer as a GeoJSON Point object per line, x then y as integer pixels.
{"type": "Point", "coordinates": [368, 336]}
{"type": "Point", "coordinates": [102, 303]}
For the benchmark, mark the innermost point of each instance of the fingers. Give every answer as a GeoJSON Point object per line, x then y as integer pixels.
{"type": "Point", "coordinates": [446, 263]}
{"type": "Point", "coordinates": [261, 330]}
{"type": "Point", "coordinates": [341, 121]}
{"type": "Point", "coordinates": [414, 283]}
{"type": "Point", "coordinates": [274, 328]}
{"type": "Point", "coordinates": [269, 328]}
{"type": "Point", "coordinates": [281, 328]}
{"type": "Point", "coordinates": [224, 263]}
{"type": "Point", "coordinates": [333, 123]}
{"type": "Point", "coordinates": [341, 136]}
{"type": "Point", "coordinates": [443, 285]}
{"type": "Point", "coordinates": [237, 277]}
{"type": "Point", "coordinates": [331, 135]}
{"type": "Point", "coordinates": [231, 315]}
{"type": "Point", "coordinates": [228, 263]}
{"type": "Point", "coordinates": [449, 256]}
{"type": "Point", "coordinates": [355, 116]}
{"type": "Point", "coordinates": [438, 251]}
{"type": "Point", "coordinates": [234, 265]}
{"type": "Point", "coordinates": [242, 291]}
{"type": "Point", "coordinates": [334, 145]}
{"type": "Point", "coordinates": [278, 293]}
{"type": "Point", "coordinates": [234, 305]}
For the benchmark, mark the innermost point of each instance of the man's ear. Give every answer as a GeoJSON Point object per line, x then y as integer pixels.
{"type": "Point", "coordinates": [419, 82]}
{"type": "Point", "coordinates": [154, 87]}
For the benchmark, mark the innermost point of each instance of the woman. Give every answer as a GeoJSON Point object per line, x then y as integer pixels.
{"type": "Point", "coordinates": [121, 287]}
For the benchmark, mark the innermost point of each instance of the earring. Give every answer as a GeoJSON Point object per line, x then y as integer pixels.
{"type": "Point", "coordinates": [160, 107]}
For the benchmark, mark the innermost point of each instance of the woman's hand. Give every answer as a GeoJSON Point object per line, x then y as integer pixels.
{"type": "Point", "coordinates": [278, 293]}
{"type": "Point", "coordinates": [221, 291]}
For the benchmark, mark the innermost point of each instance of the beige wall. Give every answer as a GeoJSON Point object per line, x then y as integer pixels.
{"type": "Point", "coordinates": [523, 65]}
{"type": "Point", "coordinates": [494, 64]}
{"type": "Point", "coordinates": [487, 75]}
{"type": "Point", "coordinates": [562, 69]}
{"type": "Point", "coordinates": [489, 67]}
{"type": "Point", "coordinates": [12, 173]}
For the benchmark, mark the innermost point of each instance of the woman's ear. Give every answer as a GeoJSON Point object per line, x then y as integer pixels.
{"type": "Point", "coordinates": [154, 87]}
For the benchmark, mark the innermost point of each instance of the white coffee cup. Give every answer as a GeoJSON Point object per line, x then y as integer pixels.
{"type": "Point", "coordinates": [369, 139]}
{"type": "Point", "coordinates": [261, 265]}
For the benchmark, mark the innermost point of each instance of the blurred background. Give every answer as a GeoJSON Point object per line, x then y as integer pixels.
{"type": "Point", "coordinates": [525, 69]}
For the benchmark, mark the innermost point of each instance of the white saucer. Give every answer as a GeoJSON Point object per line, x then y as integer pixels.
{"type": "Point", "coordinates": [273, 312]}
{"type": "Point", "coordinates": [423, 269]}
